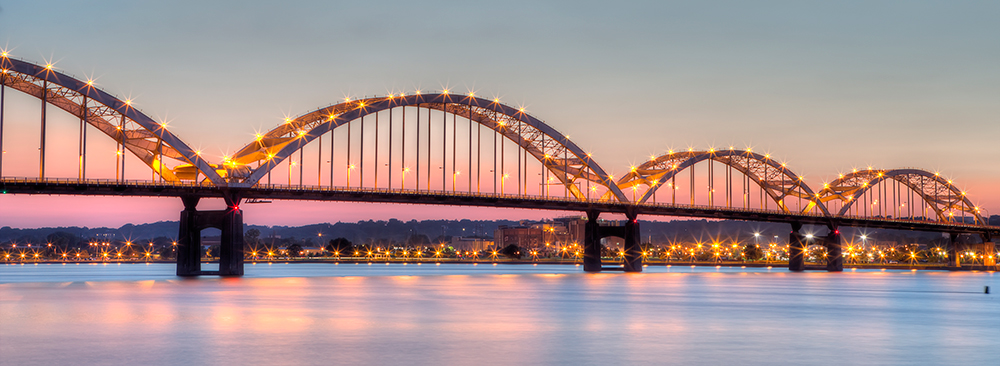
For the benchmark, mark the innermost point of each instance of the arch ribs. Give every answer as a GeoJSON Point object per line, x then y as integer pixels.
{"type": "Point", "coordinates": [940, 194]}
{"type": "Point", "coordinates": [774, 178]}
{"type": "Point", "coordinates": [568, 163]}
{"type": "Point", "coordinates": [137, 132]}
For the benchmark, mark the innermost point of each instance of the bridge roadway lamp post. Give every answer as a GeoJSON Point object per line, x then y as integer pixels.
{"type": "Point", "coordinates": [805, 247]}
{"type": "Point", "coordinates": [503, 183]}
{"type": "Point", "coordinates": [402, 179]}
{"type": "Point", "coordinates": [350, 167]}
{"type": "Point", "coordinates": [454, 178]}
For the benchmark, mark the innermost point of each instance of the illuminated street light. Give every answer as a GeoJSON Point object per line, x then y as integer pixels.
{"type": "Point", "coordinates": [350, 167]}
{"type": "Point", "coordinates": [402, 179]}
{"type": "Point", "coordinates": [291, 165]}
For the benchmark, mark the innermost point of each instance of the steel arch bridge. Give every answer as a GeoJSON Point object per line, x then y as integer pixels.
{"type": "Point", "coordinates": [911, 199]}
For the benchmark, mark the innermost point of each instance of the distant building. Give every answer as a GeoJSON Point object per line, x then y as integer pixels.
{"type": "Point", "coordinates": [521, 236]}
{"type": "Point", "coordinates": [559, 232]}
{"type": "Point", "coordinates": [470, 243]}
{"type": "Point", "coordinates": [573, 228]}
{"type": "Point", "coordinates": [884, 244]}
{"type": "Point", "coordinates": [306, 251]}
{"type": "Point", "coordinates": [612, 241]}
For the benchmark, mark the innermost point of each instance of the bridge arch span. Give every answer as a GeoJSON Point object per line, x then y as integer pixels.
{"type": "Point", "coordinates": [937, 193]}
{"type": "Point", "coordinates": [564, 159]}
{"type": "Point", "coordinates": [118, 119]}
{"type": "Point", "coordinates": [777, 181]}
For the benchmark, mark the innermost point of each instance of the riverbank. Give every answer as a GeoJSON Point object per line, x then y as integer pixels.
{"type": "Point", "coordinates": [608, 265]}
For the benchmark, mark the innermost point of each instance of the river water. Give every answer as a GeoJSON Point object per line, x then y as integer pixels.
{"type": "Point", "coordinates": [463, 314]}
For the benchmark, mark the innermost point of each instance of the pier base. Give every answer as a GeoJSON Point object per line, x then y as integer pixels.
{"type": "Point", "coordinates": [954, 260]}
{"type": "Point", "coordinates": [633, 249]}
{"type": "Point", "coordinates": [834, 252]}
{"type": "Point", "coordinates": [990, 254]}
{"type": "Point", "coordinates": [796, 260]}
{"type": "Point", "coordinates": [229, 221]}
{"type": "Point", "coordinates": [592, 243]}
{"type": "Point", "coordinates": [592, 235]}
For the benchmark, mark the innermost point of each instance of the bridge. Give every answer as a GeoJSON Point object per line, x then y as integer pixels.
{"type": "Point", "coordinates": [445, 148]}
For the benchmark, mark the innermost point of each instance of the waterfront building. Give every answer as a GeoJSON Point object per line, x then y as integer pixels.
{"type": "Point", "coordinates": [471, 243]}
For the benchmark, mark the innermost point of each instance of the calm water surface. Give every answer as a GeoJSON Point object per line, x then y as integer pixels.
{"type": "Point", "coordinates": [460, 314]}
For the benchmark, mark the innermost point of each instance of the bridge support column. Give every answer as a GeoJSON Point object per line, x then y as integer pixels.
{"type": "Point", "coordinates": [989, 251]}
{"type": "Point", "coordinates": [591, 244]}
{"type": "Point", "coordinates": [834, 252]}
{"type": "Point", "coordinates": [189, 239]}
{"type": "Point", "coordinates": [230, 221]}
{"type": "Point", "coordinates": [953, 252]}
{"type": "Point", "coordinates": [633, 248]}
{"type": "Point", "coordinates": [231, 246]}
{"type": "Point", "coordinates": [796, 260]}
{"type": "Point", "coordinates": [989, 254]}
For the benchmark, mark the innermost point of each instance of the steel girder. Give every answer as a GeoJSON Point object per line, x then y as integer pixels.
{"type": "Point", "coordinates": [554, 150]}
{"type": "Point", "coordinates": [138, 133]}
{"type": "Point", "coordinates": [775, 178]}
{"type": "Point", "coordinates": [939, 193]}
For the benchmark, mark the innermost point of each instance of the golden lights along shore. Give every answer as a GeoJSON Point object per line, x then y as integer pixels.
{"type": "Point", "coordinates": [857, 254]}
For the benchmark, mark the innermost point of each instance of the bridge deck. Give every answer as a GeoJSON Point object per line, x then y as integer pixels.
{"type": "Point", "coordinates": [343, 194]}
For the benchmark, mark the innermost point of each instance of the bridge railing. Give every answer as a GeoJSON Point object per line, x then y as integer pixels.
{"type": "Point", "coordinates": [450, 193]}
{"type": "Point", "coordinates": [127, 182]}
{"type": "Point", "coordinates": [815, 214]}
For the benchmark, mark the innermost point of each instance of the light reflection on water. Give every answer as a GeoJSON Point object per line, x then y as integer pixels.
{"type": "Point", "coordinates": [507, 314]}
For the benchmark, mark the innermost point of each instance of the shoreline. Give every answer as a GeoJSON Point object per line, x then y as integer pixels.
{"type": "Point", "coordinates": [608, 266]}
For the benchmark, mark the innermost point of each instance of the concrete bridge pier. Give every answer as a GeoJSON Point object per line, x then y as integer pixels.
{"type": "Point", "coordinates": [953, 251]}
{"type": "Point", "coordinates": [229, 221]}
{"type": "Point", "coordinates": [633, 248]}
{"type": "Point", "coordinates": [231, 248]}
{"type": "Point", "coordinates": [834, 251]}
{"type": "Point", "coordinates": [989, 251]}
{"type": "Point", "coordinates": [189, 239]}
{"type": "Point", "coordinates": [592, 243]}
{"type": "Point", "coordinates": [796, 260]}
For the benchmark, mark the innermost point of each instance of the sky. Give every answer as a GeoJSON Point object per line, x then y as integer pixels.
{"type": "Point", "coordinates": [824, 86]}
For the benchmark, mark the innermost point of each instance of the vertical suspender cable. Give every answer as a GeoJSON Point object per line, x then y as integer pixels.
{"type": "Point", "coordinates": [429, 160]}
{"type": "Point", "coordinates": [361, 153]}
{"type": "Point", "coordinates": [389, 178]}
{"type": "Point", "coordinates": [333, 144]}
{"type": "Point", "coordinates": [3, 91]}
{"type": "Point", "coordinates": [416, 177]}
{"type": "Point", "coordinates": [41, 144]}
{"type": "Point", "coordinates": [83, 118]}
